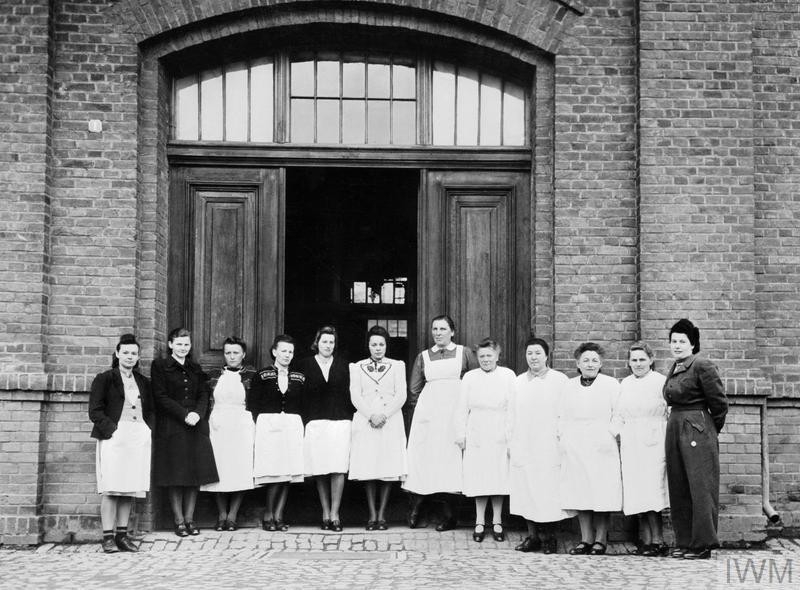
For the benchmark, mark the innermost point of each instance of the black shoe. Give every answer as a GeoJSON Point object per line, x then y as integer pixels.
{"type": "Point", "coordinates": [371, 524]}
{"type": "Point", "coordinates": [281, 526]}
{"type": "Point", "coordinates": [191, 529]}
{"type": "Point", "coordinates": [124, 543]}
{"type": "Point", "coordinates": [381, 525]}
{"type": "Point", "coordinates": [230, 525]}
{"type": "Point", "coordinates": [336, 526]}
{"type": "Point", "coordinates": [446, 525]}
{"type": "Point", "coordinates": [598, 548]}
{"type": "Point", "coordinates": [109, 546]}
{"type": "Point", "coordinates": [478, 533]}
{"type": "Point", "coordinates": [498, 534]}
{"type": "Point", "coordinates": [220, 526]}
{"type": "Point", "coordinates": [529, 544]}
{"type": "Point", "coordinates": [550, 546]}
{"type": "Point", "coordinates": [648, 550]}
{"type": "Point", "coordinates": [581, 549]}
{"type": "Point", "coordinates": [326, 525]}
{"type": "Point", "coordinates": [698, 554]}
{"type": "Point", "coordinates": [413, 519]}
{"type": "Point", "coordinates": [678, 552]}
{"type": "Point", "coordinates": [181, 530]}
{"type": "Point", "coordinates": [269, 525]}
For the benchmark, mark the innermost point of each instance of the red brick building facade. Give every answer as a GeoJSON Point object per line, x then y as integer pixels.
{"type": "Point", "coordinates": [659, 178]}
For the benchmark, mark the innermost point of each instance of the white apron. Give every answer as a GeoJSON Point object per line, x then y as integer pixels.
{"type": "Point", "coordinates": [278, 448]}
{"type": "Point", "coordinates": [123, 461]}
{"type": "Point", "coordinates": [434, 460]}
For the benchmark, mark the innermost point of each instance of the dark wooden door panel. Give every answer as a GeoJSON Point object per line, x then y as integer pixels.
{"type": "Point", "coordinates": [476, 254]}
{"type": "Point", "coordinates": [225, 269]}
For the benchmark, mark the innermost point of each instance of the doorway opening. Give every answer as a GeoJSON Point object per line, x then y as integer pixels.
{"type": "Point", "coordinates": [351, 256]}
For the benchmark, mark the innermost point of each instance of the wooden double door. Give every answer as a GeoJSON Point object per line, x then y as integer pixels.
{"type": "Point", "coordinates": [466, 241]}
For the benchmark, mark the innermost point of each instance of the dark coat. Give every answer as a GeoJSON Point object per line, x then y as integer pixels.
{"type": "Point", "coordinates": [326, 400]}
{"type": "Point", "coordinates": [107, 398]}
{"type": "Point", "coordinates": [182, 454]}
{"type": "Point", "coordinates": [694, 382]}
{"type": "Point", "coordinates": [265, 397]}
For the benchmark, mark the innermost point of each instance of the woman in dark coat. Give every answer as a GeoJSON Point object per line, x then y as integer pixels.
{"type": "Point", "coordinates": [183, 458]}
{"type": "Point", "coordinates": [121, 409]}
{"type": "Point", "coordinates": [327, 413]}
{"type": "Point", "coordinates": [694, 392]}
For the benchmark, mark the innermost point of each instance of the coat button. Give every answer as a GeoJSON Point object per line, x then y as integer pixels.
{"type": "Point", "coordinates": [693, 443]}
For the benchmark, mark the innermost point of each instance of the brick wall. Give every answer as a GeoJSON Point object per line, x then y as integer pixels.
{"type": "Point", "coordinates": [776, 128]}
{"type": "Point", "coordinates": [595, 190]}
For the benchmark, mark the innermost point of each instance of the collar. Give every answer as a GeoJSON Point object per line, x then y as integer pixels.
{"type": "Point", "coordinates": [683, 364]}
{"type": "Point", "coordinates": [436, 348]}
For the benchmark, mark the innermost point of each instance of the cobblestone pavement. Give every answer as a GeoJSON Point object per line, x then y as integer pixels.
{"type": "Point", "coordinates": [399, 558]}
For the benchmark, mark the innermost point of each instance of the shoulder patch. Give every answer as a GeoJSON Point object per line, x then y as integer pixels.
{"type": "Point", "coordinates": [294, 376]}
{"type": "Point", "coordinates": [265, 374]}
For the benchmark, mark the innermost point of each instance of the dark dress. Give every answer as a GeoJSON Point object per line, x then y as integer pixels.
{"type": "Point", "coordinates": [182, 454]}
{"type": "Point", "coordinates": [693, 390]}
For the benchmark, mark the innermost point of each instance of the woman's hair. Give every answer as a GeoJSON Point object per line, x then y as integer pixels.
{"type": "Point", "coordinates": [278, 339]}
{"type": "Point", "coordinates": [123, 340]}
{"type": "Point", "coordinates": [533, 340]}
{"type": "Point", "coordinates": [490, 343]}
{"type": "Point", "coordinates": [235, 341]}
{"type": "Point", "coordinates": [588, 346]}
{"type": "Point", "coordinates": [178, 333]}
{"type": "Point", "coordinates": [378, 331]}
{"type": "Point", "coordinates": [689, 330]}
{"type": "Point", "coordinates": [447, 319]}
{"type": "Point", "coordinates": [645, 348]}
{"type": "Point", "coordinates": [324, 330]}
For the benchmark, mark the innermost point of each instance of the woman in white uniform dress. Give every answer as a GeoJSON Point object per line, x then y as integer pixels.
{"type": "Point", "coordinates": [434, 461]}
{"type": "Point", "coordinates": [481, 426]}
{"type": "Point", "coordinates": [535, 456]}
{"type": "Point", "coordinates": [378, 451]}
{"type": "Point", "coordinates": [232, 432]}
{"type": "Point", "coordinates": [276, 402]}
{"type": "Point", "coordinates": [590, 479]}
{"type": "Point", "coordinates": [121, 410]}
{"type": "Point", "coordinates": [641, 419]}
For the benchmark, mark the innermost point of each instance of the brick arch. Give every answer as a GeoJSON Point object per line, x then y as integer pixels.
{"type": "Point", "coordinates": [540, 23]}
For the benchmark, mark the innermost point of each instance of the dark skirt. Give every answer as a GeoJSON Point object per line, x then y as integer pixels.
{"type": "Point", "coordinates": [182, 455]}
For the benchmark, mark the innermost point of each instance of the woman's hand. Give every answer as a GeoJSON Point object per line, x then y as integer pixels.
{"type": "Point", "coordinates": [192, 418]}
{"type": "Point", "coordinates": [461, 443]}
{"type": "Point", "coordinates": [377, 420]}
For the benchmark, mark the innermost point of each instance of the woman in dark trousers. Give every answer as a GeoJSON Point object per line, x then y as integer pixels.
{"type": "Point", "coordinates": [121, 409]}
{"type": "Point", "coordinates": [328, 414]}
{"type": "Point", "coordinates": [183, 458]}
{"type": "Point", "coordinates": [694, 392]}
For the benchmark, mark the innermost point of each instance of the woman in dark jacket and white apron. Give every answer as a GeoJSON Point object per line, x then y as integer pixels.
{"type": "Point", "coordinates": [121, 409]}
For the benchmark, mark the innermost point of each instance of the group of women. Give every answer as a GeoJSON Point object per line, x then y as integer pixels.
{"type": "Point", "coordinates": [559, 447]}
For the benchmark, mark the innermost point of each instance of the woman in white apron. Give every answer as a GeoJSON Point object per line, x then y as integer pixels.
{"type": "Point", "coordinates": [481, 424]}
{"type": "Point", "coordinates": [535, 456]}
{"type": "Point", "coordinates": [641, 420]}
{"type": "Point", "coordinates": [434, 460]}
{"type": "Point", "coordinates": [275, 400]}
{"type": "Point", "coordinates": [121, 409]}
{"type": "Point", "coordinates": [231, 431]}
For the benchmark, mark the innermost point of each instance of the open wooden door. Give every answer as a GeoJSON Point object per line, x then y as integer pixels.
{"type": "Point", "coordinates": [474, 259]}
{"type": "Point", "coordinates": [225, 266]}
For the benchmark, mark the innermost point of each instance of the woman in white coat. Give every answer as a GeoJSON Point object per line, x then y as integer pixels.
{"type": "Point", "coordinates": [481, 421]}
{"type": "Point", "coordinates": [641, 419]}
{"type": "Point", "coordinates": [590, 479]}
{"type": "Point", "coordinates": [535, 457]}
{"type": "Point", "coordinates": [378, 449]}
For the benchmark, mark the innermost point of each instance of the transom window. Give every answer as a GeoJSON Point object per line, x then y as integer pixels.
{"type": "Point", "coordinates": [349, 99]}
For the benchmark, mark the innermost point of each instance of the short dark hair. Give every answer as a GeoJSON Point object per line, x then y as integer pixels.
{"type": "Point", "coordinates": [533, 340]}
{"type": "Point", "coordinates": [447, 319]}
{"type": "Point", "coordinates": [490, 343]}
{"type": "Point", "coordinates": [324, 330]}
{"type": "Point", "coordinates": [235, 341]}
{"type": "Point", "coordinates": [123, 340]}
{"type": "Point", "coordinates": [645, 348]}
{"type": "Point", "coordinates": [588, 346]}
{"type": "Point", "coordinates": [377, 330]}
{"type": "Point", "coordinates": [281, 338]}
{"type": "Point", "coordinates": [178, 333]}
{"type": "Point", "coordinates": [689, 330]}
